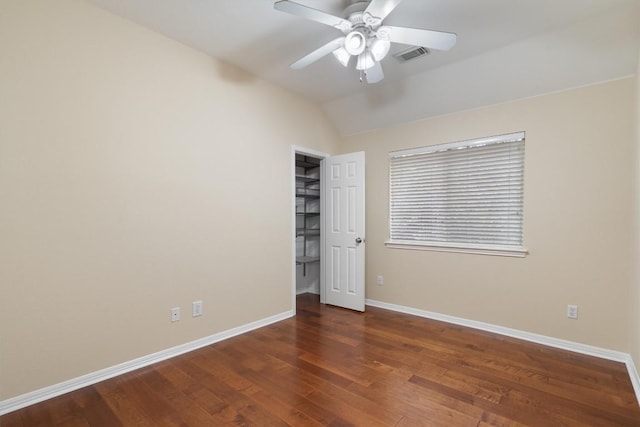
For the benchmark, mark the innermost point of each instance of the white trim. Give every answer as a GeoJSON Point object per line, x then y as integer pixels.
{"type": "Point", "coordinates": [602, 353]}
{"type": "Point", "coordinates": [18, 402]}
{"type": "Point", "coordinates": [518, 252]}
{"type": "Point", "coordinates": [308, 290]}
{"type": "Point", "coordinates": [323, 233]}
{"type": "Point", "coordinates": [633, 376]}
{"type": "Point", "coordinates": [511, 137]}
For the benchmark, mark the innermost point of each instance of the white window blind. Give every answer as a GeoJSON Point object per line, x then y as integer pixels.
{"type": "Point", "coordinates": [464, 196]}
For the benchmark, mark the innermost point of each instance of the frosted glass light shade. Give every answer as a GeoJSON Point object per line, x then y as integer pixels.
{"type": "Point", "coordinates": [380, 48]}
{"type": "Point", "coordinates": [365, 60]}
{"type": "Point", "coordinates": [342, 56]}
{"type": "Point", "coordinates": [355, 42]}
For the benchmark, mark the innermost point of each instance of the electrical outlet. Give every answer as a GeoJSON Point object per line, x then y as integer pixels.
{"type": "Point", "coordinates": [196, 308]}
{"type": "Point", "coordinates": [380, 280]}
{"type": "Point", "coordinates": [572, 311]}
{"type": "Point", "coordinates": [175, 314]}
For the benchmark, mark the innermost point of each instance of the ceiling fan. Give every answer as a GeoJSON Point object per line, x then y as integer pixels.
{"type": "Point", "coordinates": [364, 35]}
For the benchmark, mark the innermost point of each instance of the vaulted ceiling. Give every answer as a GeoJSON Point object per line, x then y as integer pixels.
{"type": "Point", "coordinates": [506, 49]}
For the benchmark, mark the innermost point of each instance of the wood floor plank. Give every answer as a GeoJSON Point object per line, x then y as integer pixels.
{"type": "Point", "coordinates": [13, 419]}
{"type": "Point", "coordinates": [89, 407]}
{"type": "Point", "coordinates": [228, 384]}
{"type": "Point", "coordinates": [190, 412]}
{"type": "Point", "coordinates": [126, 408]}
{"type": "Point", "coordinates": [332, 367]}
{"type": "Point", "coordinates": [286, 382]}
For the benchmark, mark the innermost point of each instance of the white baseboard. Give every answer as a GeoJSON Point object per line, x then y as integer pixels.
{"type": "Point", "coordinates": [633, 375]}
{"type": "Point", "coordinates": [49, 392]}
{"type": "Point", "coordinates": [308, 290]}
{"type": "Point", "coordinates": [616, 356]}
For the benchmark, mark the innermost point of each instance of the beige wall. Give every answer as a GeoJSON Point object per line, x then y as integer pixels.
{"type": "Point", "coordinates": [578, 217]}
{"type": "Point", "coordinates": [634, 321]}
{"type": "Point", "coordinates": [135, 175]}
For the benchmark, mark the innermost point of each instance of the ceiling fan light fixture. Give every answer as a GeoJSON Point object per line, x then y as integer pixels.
{"type": "Point", "coordinates": [342, 56]}
{"type": "Point", "coordinates": [379, 48]}
{"type": "Point", "coordinates": [364, 35]}
{"type": "Point", "coordinates": [365, 61]}
{"type": "Point", "coordinates": [355, 43]}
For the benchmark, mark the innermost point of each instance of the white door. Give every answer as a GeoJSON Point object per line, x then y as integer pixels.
{"type": "Point", "coordinates": [344, 230]}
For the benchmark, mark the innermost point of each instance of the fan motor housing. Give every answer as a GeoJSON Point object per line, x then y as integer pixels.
{"type": "Point", "coordinates": [356, 6]}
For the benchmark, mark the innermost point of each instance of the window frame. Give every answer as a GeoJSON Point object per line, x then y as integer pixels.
{"type": "Point", "coordinates": [458, 247]}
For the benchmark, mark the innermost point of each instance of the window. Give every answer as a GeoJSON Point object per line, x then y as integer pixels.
{"type": "Point", "coordinates": [461, 197]}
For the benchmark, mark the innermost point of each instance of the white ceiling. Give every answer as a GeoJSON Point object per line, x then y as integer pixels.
{"type": "Point", "coordinates": [506, 49]}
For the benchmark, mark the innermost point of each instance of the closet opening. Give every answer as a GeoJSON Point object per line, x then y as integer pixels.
{"type": "Point", "coordinates": [308, 224]}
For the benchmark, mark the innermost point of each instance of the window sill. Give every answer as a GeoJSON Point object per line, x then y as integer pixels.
{"type": "Point", "coordinates": [517, 252]}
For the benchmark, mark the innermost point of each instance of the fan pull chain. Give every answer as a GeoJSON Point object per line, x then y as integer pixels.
{"type": "Point", "coordinates": [361, 76]}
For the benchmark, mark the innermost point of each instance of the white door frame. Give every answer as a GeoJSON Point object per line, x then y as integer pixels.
{"type": "Point", "coordinates": [320, 155]}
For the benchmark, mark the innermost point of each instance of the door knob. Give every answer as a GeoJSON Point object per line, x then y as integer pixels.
{"type": "Point", "coordinates": [358, 240]}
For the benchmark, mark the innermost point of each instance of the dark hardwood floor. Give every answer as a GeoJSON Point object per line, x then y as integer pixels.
{"type": "Point", "coordinates": [333, 367]}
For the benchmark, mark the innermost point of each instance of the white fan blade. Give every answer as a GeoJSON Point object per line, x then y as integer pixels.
{"type": "Point", "coordinates": [313, 14]}
{"type": "Point", "coordinates": [381, 8]}
{"type": "Point", "coordinates": [437, 40]}
{"type": "Point", "coordinates": [374, 74]}
{"type": "Point", "coordinates": [318, 53]}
